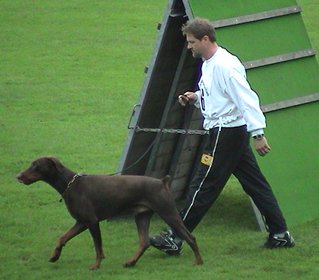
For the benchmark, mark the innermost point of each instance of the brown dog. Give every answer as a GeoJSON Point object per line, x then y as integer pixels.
{"type": "Point", "coordinates": [93, 198]}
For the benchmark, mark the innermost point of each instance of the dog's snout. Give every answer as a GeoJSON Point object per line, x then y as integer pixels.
{"type": "Point", "coordinates": [19, 177]}
{"type": "Point", "coordinates": [26, 177]}
{"type": "Point", "coordinates": [23, 178]}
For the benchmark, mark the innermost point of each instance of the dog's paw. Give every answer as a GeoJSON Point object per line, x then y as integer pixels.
{"type": "Point", "coordinates": [55, 255]}
{"type": "Point", "coordinates": [94, 266]}
{"type": "Point", "coordinates": [129, 264]}
{"type": "Point", "coordinates": [54, 258]}
{"type": "Point", "coordinates": [199, 262]}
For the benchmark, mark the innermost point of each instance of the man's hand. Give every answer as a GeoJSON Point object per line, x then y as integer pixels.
{"type": "Point", "coordinates": [261, 146]}
{"type": "Point", "coordinates": [187, 97]}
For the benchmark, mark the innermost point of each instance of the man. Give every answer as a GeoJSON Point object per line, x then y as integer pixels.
{"type": "Point", "coordinates": [232, 115]}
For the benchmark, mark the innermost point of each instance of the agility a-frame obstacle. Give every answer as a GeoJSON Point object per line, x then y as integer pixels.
{"type": "Point", "coordinates": [271, 40]}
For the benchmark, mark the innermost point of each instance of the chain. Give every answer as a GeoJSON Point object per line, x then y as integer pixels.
{"type": "Point", "coordinates": [69, 185]}
{"type": "Point", "coordinates": [163, 130]}
{"type": "Point", "coordinates": [172, 130]}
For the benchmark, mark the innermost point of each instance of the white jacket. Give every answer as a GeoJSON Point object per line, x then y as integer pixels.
{"type": "Point", "coordinates": [225, 97]}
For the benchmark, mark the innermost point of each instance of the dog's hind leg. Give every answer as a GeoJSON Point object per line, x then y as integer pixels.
{"type": "Point", "coordinates": [96, 235]}
{"type": "Point", "coordinates": [72, 232]}
{"type": "Point", "coordinates": [175, 222]}
{"type": "Point", "coordinates": [183, 233]}
{"type": "Point", "coordinates": [142, 221]}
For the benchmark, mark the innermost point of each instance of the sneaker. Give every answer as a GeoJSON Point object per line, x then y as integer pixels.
{"type": "Point", "coordinates": [167, 242]}
{"type": "Point", "coordinates": [280, 240]}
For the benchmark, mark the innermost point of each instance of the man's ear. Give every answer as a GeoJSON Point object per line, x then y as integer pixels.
{"type": "Point", "coordinates": [205, 38]}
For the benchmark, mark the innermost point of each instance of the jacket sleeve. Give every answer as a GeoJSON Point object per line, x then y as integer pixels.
{"type": "Point", "coordinates": [197, 102]}
{"type": "Point", "coordinates": [247, 101]}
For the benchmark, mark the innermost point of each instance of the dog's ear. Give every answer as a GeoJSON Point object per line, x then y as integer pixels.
{"type": "Point", "coordinates": [167, 182]}
{"type": "Point", "coordinates": [56, 163]}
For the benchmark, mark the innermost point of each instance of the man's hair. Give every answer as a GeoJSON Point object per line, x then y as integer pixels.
{"type": "Point", "coordinates": [200, 27]}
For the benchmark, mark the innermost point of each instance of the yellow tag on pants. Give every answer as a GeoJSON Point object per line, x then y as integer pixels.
{"type": "Point", "coordinates": [207, 159]}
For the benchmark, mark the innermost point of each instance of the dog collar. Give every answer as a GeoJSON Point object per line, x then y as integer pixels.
{"type": "Point", "coordinates": [70, 183]}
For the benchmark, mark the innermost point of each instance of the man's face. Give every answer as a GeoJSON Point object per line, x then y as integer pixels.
{"type": "Point", "coordinates": [195, 45]}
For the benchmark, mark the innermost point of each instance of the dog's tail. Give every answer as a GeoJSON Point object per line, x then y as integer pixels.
{"type": "Point", "coordinates": [167, 182]}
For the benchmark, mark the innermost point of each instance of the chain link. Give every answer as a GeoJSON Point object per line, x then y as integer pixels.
{"type": "Point", "coordinates": [172, 130]}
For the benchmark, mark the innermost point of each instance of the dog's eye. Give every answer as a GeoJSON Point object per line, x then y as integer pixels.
{"type": "Point", "coordinates": [33, 166]}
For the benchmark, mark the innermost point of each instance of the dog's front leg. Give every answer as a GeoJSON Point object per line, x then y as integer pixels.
{"type": "Point", "coordinates": [72, 232]}
{"type": "Point", "coordinates": [96, 235]}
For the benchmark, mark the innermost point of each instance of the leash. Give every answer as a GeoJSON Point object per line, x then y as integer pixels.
{"type": "Point", "coordinates": [69, 185]}
{"type": "Point", "coordinates": [137, 161]}
{"type": "Point", "coordinates": [184, 131]}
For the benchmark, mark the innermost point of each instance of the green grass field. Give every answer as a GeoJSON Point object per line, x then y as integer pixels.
{"type": "Point", "coordinates": [70, 73]}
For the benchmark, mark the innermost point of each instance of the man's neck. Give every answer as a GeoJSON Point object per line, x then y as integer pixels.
{"type": "Point", "coordinates": [211, 51]}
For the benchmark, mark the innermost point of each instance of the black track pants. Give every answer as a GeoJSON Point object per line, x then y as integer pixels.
{"type": "Point", "coordinates": [232, 155]}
